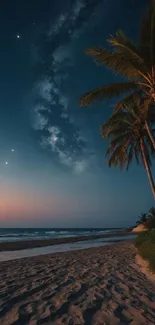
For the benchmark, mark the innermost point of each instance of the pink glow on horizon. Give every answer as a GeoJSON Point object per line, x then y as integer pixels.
{"type": "Point", "coordinates": [20, 203]}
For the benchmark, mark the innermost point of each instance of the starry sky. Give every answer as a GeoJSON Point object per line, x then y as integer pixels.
{"type": "Point", "coordinates": [57, 175]}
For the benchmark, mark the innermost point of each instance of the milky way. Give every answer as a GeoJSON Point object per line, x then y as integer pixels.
{"type": "Point", "coordinates": [54, 115]}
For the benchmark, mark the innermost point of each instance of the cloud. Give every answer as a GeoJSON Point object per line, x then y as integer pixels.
{"type": "Point", "coordinates": [63, 101]}
{"type": "Point", "coordinates": [61, 54]}
{"type": "Point", "coordinates": [54, 130]}
{"type": "Point", "coordinates": [66, 19]}
{"type": "Point", "coordinates": [56, 141]}
{"type": "Point", "coordinates": [79, 5]}
{"type": "Point", "coordinates": [40, 122]}
{"type": "Point", "coordinates": [80, 166]}
{"type": "Point", "coordinates": [44, 88]}
{"type": "Point", "coordinates": [60, 131]}
{"type": "Point", "coordinates": [58, 24]}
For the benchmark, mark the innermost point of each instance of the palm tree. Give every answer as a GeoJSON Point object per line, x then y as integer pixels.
{"type": "Point", "coordinates": [135, 63]}
{"type": "Point", "coordinates": [151, 218]}
{"type": "Point", "coordinates": [152, 212]}
{"type": "Point", "coordinates": [128, 140]}
{"type": "Point", "coordinates": [142, 219]}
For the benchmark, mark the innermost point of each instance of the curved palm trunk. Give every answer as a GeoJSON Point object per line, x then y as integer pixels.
{"type": "Point", "coordinates": [147, 167]}
{"type": "Point", "coordinates": [150, 134]}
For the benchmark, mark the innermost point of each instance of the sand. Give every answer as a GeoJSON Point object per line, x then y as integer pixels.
{"type": "Point", "coordinates": [96, 286]}
{"type": "Point", "coordinates": [139, 228]}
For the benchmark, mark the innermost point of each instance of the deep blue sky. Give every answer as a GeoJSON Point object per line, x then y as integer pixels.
{"type": "Point", "coordinates": [58, 175]}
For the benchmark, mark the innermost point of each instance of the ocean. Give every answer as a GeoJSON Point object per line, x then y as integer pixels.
{"type": "Point", "coordinates": [15, 234]}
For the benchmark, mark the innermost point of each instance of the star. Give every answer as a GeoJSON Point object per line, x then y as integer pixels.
{"type": "Point", "coordinates": [6, 163]}
{"type": "Point", "coordinates": [12, 150]}
{"type": "Point", "coordinates": [18, 36]}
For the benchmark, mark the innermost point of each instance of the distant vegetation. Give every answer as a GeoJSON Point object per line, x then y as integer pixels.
{"type": "Point", "coordinates": [145, 243]}
{"type": "Point", "coordinates": [147, 219]}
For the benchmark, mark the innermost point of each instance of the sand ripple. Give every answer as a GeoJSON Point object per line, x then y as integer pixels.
{"type": "Point", "coordinates": [100, 286]}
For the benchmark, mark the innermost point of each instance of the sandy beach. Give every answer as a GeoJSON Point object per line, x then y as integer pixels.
{"type": "Point", "coordinates": [95, 286]}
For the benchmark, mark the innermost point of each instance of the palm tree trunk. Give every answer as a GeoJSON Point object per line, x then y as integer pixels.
{"type": "Point", "coordinates": [147, 167]}
{"type": "Point", "coordinates": [150, 134]}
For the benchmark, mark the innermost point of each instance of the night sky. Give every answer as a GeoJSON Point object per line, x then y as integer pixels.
{"type": "Point", "coordinates": [53, 171]}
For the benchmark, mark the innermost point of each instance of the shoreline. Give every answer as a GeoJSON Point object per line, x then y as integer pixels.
{"type": "Point", "coordinates": [56, 249]}
{"type": "Point", "coordinates": [94, 286]}
{"type": "Point", "coordinates": [27, 244]}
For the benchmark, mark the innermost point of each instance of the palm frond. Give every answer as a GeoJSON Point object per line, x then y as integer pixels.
{"type": "Point", "coordinates": [123, 45]}
{"type": "Point", "coordinates": [107, 91]}
{"type": "Point", "coordinates": [113, 132]}
{"type": "Point", "coordinates": [117, 157]}
{"type": "Point", "coordinates": [112, 162]}
{"type": "Point", "coordinates": [134, 97]}
{"type": "Point", "coordinates": [136, 153]}
{"type": "Point", "coordinates": [149, 145]}
{"type": "Point", "coordinates": [118, 62]}
{"type": "Point", "coordinates": [129, 158]}
{"type": "Point", "coordinates": [124, 129]}
{"type": "Point", "coordinates": [121, 41]}
{"type": "Point", "coordinates": [114, 156]}
{"type": "Point", "coordinates": [147, 36]}
{"type": "Point", "coordinates": [119, 139]}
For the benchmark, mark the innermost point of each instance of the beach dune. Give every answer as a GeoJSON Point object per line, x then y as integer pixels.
{"type": "Point", "coordinates": [139, 228]}
{"type": "Point", "coordinates": [98, 286]}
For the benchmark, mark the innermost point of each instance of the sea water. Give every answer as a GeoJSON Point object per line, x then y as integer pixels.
{"type": "Point", "coordinates": [15, 234]}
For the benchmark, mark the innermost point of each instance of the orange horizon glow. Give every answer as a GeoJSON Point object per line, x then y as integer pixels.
{"type": "Point", "coordinates": [18, 203]}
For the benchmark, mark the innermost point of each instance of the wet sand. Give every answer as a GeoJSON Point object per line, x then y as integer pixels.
{"type": "Point", "coordinates": [98, 286]}
{"type": "Point", "coordinates": [25, 244]}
